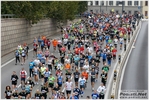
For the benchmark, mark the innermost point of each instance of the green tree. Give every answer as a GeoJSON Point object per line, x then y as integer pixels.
{"type": "Point", "coordinates": [34, 11]}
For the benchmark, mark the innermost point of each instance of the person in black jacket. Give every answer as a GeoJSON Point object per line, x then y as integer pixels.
{"type": "Point", "coordinates": [44, 91]}
{"type": "Point", "coordinates": [109, 57]}
{"type": "Point", "coordinates": [8, 92]}
{"type": "Point", "coordinates": [14, 80]}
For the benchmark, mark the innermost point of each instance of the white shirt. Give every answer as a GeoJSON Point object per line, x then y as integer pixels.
{"type": "Point", "coordinates": [65, 41]}
{"type": "Point", "coordinates": [67, 60]}
{"type": "Point", "coordinates": [115, 41]}
{"type": "Point", "coordinates": [90, 49]}
{"type": "Point", "coordinates": [100, 88]}
{"type": "Point", "coordinates": [49, 61]}
{"type": "Point", "coordinates": [121, 40]}
{"type": "Point", "coordinates": [69, 86]}
{"type": "Point", "coordinates": [86, 67]}
{"type": "Point", "coordinates": [36, 61]}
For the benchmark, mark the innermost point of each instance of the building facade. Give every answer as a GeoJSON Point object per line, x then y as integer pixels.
{"type": "Point", "coordinates": [106, 6]}
{"type": "Point", "coordinates": [145, 8]}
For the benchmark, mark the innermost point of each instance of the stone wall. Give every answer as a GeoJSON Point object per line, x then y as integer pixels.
{"type": "Point", "coordinates": [16, 31]}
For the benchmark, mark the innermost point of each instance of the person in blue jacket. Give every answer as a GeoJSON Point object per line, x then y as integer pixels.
{"type": "Point", "coordinates": [74, 97]}
{"type": "Point", "coordinates": [104, 57]}
{"type": "Point", "coordinates": [95, 95]}
{"type": "Point", "coordinates": [31, 66]}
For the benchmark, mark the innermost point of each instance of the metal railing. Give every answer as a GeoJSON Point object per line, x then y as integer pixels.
{"type": "Point", "coordinates": [8, 16]}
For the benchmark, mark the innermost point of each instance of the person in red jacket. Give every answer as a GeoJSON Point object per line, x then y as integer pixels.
{"type": "Point", "coordinates": [114, 53]}
{"type": "Point", "coordinates": [48, 43]}
{"type": "Point", "coordinates": [81, 49]}
{"type": "Point", "coordinates": [77, 50]}
{"type": "Point", "coordinates": [23, 75]}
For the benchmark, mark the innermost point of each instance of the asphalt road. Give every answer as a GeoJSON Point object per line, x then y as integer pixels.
{"type": "Point", "coordinates": [7, 70]}
{"type": "Point", "coordinates": [136, 72]}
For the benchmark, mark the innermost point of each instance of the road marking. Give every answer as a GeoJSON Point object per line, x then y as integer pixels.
{"type": "Point", "coordinates": [12, 60]}
{"type": "Point", "coordinates": [64, 87]}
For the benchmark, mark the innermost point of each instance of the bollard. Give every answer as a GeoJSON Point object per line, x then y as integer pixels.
{"type": "Point", "coordinates": [112, 96]}
{"type": "Point", "coordinates": [119, 59]}
{"type": "Point", "coordinates": [124, 47]}
{"type": "Point", "coordinates": [115, 75]}
{"type": "Point", "coordinates": [129, 38]}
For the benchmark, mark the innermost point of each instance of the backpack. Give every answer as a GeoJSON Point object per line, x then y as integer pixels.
{"type": "Point", "coordinates": [17, 53]}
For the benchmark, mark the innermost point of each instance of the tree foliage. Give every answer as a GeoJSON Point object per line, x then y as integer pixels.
{"type": "Point", "coordinates": [35, 10]}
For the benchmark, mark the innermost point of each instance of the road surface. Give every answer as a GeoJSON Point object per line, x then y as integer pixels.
{"type": "Point", "coordinates": [136, 72]}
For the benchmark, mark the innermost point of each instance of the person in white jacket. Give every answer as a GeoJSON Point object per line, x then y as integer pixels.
{"type": "Point", "coordinates": [101, 89]}
{"type": "Point", "coordinates": [86, 67]}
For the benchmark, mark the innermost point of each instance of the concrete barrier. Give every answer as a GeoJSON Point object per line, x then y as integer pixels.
{"type": "Point", "coordinates": [16, 31]}
{"type": "Point", "coordinates": [113, 86]}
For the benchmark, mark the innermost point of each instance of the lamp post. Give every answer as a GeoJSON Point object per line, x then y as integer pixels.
{"type": "Point", "coordinates": [122, 2]}
{"type": "Point", "coordinates": [101, 4]}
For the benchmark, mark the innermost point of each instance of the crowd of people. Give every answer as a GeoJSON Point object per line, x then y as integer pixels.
{"type": "Point", "coordinates": [80, 49]}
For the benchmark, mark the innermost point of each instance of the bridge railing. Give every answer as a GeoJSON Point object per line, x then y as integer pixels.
{"type": "Point", "coordinates": [113, 88]}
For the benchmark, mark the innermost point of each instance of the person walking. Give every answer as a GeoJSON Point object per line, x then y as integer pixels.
{"type": "Point", "coordinates": [17, 55]}
{"type": "Point", "coordinates": [101, 90]}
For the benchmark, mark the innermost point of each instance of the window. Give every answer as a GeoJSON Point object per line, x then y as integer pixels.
{"type": "Point", "coordinates": [111, 3]}
{"type": "Point", "coordinates": [102, 3]}
{"type": "Point", "coordinates": [120, 2]}
{"type": "Point", "coordinates": [136, 3]}
{"type": "Point", "coordinates": [146, 13]}
{"type": "Point", "coordinates": [96, 3]}
{"type": "Point", "coordinates": [146, 3]}
{"type": "Point", "coordinates": [91, 2]}
{"type": "Point", "coordinates": [117, 3]}
{"type": "Point", "coordinates": [129, 3]}
{"type": "Point", "coordinates": [129, 12]}
{"type": "Point", "coordinates": [124, 3]}
{"type": "Point", "coordinates": [135, 12]}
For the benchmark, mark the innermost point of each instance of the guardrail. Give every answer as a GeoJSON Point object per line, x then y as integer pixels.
{"type": "Point", "coordinates": [112, 90]}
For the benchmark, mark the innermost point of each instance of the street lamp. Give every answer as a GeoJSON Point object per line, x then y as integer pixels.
{"type": "Point", "coordinates": [101, 4]}
{"type": "Point", "coordinates": [121, 2]}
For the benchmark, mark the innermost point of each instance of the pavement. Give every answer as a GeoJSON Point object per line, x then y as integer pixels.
{"type": "Point", "coordinates": [6, 72]}
{"type": "Point", "coordinates": [136, 72]}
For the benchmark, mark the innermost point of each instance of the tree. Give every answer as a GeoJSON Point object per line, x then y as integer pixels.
{"type": "Point", "coordinates": [34, 11]}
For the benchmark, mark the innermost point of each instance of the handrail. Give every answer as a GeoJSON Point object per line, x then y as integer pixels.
{"type": "Point", "coordinates": [119, 67]}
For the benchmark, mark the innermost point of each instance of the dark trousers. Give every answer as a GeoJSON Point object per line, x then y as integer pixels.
{"type": "Point", "coordinates": [101, 96]}
{"type": "Point", "coordinates": [50, 67]}
{"type": "Point", "coordinates": [30, 72]}
{"type": "Point", "coordinates": [17, 58]}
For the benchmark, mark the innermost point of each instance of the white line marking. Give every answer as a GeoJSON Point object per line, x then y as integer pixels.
{"type": "Point", "coordinates": [64, 87]}
{"type": "Point", "coordinates": [12, 60]}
